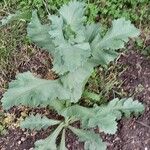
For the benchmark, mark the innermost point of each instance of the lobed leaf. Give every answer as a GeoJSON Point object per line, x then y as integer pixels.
{"type": "Point", "coordinates": [105, 116]}
{"type": "Point", "coordinates": [38, 33]}
{"type": "Point", "coordinates": [73, 14]}
{"type": "Point", "coordinates": [103, 57]}
{"type": "Point", "coordinates": [31, 91]}
{"type": "Point", "coordinates": [92, 140]}
{"type": "Point", "coordinates": [92, 31]}
{"type": "Point", "coordinates": [75, 81]}
{"type": "Point", "coordinates": [115, 38]}
{"type": "Point", "coordinates": [38, 122]}
{"type": "Point", "coordinates": [127, 106]}
{"type": "Point", "coordinates": [68, 58]}
{"type": "Point", "coordinates": [56, 30]}
{"type": "Point", "coordinates": [120, 33]}
{"type": "Point", "coordinates": [50, 142]}
{"type": "Point", "coordinates": [105, 122]}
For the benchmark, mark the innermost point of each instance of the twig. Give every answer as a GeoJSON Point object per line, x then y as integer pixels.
{"type": "Point", "coordinates": [143, 124]}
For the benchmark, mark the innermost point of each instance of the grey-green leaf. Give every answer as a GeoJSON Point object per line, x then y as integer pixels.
{"type": "Point", "coordinates": [128, 107]}
{"type": "Point", "coordinates": [56, 30]}
{"type": "Point", "coordinates": [92, 140]}
{"type": "Point", "coordinates": [92, 117]}
{"type": "Point", "coordinates": [91, 95]}
{"type": "Point", "coordinates": [105, 116]}
{"type": "Point", "coordinates": [103, 57]}
{"type": "Point", "coordinates": [38, 33]}
{"type": "Point", "coordinates": [69, 58]}
{"type": "Point", "coordinates": [106, 123]}
{"type": "Point", "coordinates": [119, 33]}
{"type": "Point", "coordinates": [73, 14]}
{"type": "Point", "coordinates": [31, 91]}
{"type": "Point", "coordinates": [91, 31]}
{"type": "Point", "coordinates": [38, 122]}
{"type": "Point", "coordinates": [103, 49]}
{"type": "Point", "coordinates": [75, 81]}
{"type": "Point", "coordinates": [25, 16]}
{"type": "Point", "coordinates": [50, 142]}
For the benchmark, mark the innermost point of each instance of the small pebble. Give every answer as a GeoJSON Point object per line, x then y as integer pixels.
{"type": "Point", "coordinates": [117, 139]}
{"type": "Point", "coordinates": [23, 139]}
{"type": "Point", "coordinates": [19, 142]}
{"type": "Point", "coordinates": [68, 145]}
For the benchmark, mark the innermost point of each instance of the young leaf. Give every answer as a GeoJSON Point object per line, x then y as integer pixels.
{"type": "Point", "coordinates": [50, 142]}
{"type": "Point", "coordinates": [91, 95]}
{"type": "Point", "coordinates": [57, 105]}
{"type": "Point", "coordinates": [75, 17]}
{"type": "Point", "coordinates": [31, 91]}
{"type": "Point", "coordinates": [38, 122]}
{"type": "Point", "coordinates": [92, 140]}
{"type": "Point", "coordinates": [38, 33]}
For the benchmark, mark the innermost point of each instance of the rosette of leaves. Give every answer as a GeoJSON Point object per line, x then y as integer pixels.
{"type": "Point", "coordinates": [77, 47]}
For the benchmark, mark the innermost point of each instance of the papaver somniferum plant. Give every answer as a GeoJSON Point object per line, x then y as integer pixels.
{"type": "Point", "coordinates": [77, 48]}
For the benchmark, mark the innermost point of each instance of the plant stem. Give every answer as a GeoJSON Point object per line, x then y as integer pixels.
{"type": "Point", "coordinates": [57, 130]}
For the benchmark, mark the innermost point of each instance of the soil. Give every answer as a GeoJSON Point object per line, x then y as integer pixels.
{"type": "Point", "coordinates": [132, 134]}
